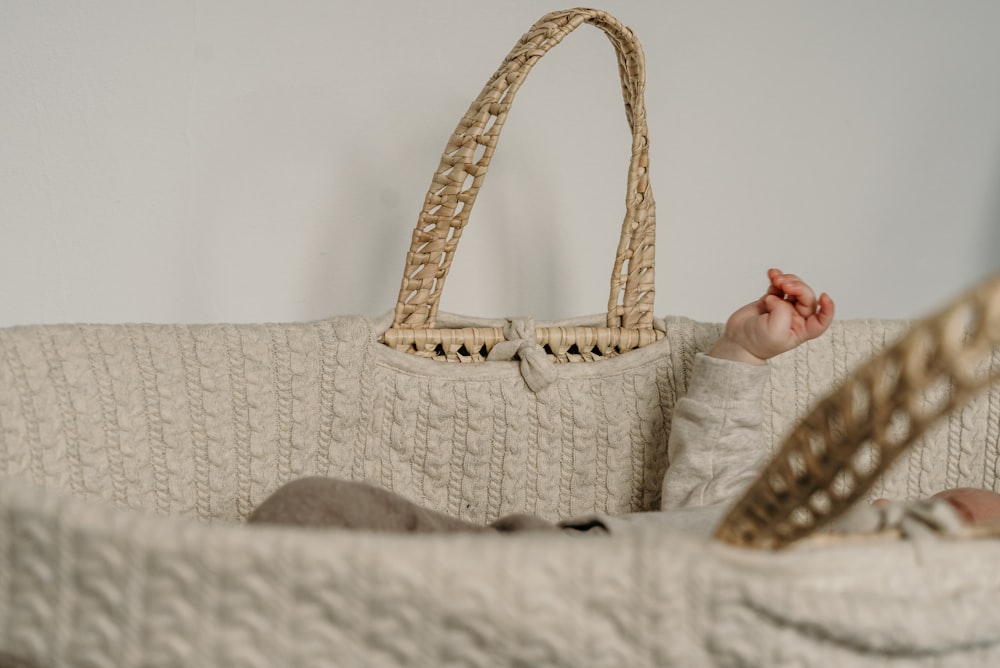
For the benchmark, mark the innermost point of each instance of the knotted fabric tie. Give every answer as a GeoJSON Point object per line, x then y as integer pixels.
{"type": "Point", "coordinates": [537, 369]}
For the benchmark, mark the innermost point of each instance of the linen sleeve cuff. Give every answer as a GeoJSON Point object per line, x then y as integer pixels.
{"type": "Point", "coordinates": [727, 385]}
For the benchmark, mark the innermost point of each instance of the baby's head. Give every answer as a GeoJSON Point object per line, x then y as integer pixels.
{"type": "Point", "coordinates": [974, 506]}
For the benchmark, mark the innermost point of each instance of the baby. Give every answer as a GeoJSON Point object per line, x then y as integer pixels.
{"type": "Point", "coordinates": [715, 448]}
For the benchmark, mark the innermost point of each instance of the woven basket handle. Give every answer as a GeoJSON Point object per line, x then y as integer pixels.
{"type": "Point", "coordinates": [850, 438]}
{"type": "Point", "coordinates": [460, 175]}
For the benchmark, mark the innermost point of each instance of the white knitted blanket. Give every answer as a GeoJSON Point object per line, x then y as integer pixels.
{"type": "Point", "coordinates": [129, 455]}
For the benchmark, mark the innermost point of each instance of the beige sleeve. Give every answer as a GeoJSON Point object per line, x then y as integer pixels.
{"type": "Point", "coordinates": [715, 448]}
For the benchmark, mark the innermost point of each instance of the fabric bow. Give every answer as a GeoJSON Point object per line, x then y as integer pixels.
{"type": "Point", "coordinates": [536, 368]}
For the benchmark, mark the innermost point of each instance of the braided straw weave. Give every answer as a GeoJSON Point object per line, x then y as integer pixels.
{"type": "Point", "coordinates": [456, 185]}
{"type": "Point", "coordinates": [851, 437]}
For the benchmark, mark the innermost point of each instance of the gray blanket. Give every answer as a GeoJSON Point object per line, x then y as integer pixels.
{"type": "Point", "coordinates": [347, 504]}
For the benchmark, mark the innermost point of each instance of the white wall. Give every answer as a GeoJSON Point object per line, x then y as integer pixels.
{"type": "Point", "coordinates": [258, 160]}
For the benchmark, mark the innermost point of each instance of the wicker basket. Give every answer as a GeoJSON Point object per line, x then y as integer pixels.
{"type": "Point", "coordinates": [129, 454]}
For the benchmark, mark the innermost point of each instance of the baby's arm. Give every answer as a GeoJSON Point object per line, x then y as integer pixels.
{"type": "Point", "coordinates": [715, 446]}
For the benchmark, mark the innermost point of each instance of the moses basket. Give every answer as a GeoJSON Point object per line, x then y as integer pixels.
{"type": "Point", "coordinates": [131, 454]}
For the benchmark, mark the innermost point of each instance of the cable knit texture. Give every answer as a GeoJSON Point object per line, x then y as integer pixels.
{"type": "Point", "coordinates": [130, 455]}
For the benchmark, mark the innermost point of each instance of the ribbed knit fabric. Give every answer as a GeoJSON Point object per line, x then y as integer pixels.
{"type": "Point", "coordinates": [129, 455]}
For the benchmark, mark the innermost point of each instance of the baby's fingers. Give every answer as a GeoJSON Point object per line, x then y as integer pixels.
{"type": "Point", "coordinates": [821, 319]}
{"type": "Point", "coordinates": [795, 290]}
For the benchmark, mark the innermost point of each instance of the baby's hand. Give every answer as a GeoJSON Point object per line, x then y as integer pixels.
{"type": "Point", "coordinates": [789, 314]}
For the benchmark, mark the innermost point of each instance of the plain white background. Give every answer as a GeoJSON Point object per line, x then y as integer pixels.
{"type": "Point", "coordinates": [263, 160]}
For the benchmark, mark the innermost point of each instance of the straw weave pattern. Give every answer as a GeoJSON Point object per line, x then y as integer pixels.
{"type": "Point", "coordinates": [456, 185]}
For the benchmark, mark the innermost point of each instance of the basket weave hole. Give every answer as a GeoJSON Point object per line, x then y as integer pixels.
{"type": "Point", "coordinates": [419, 266]}
{"type": "Point", "coordinates": [747, 534]}
{"type": "Point", "coordinates": [427, 269]}
{"type": "Point", "coordinates": [480, 151]}
{"type": "Point", "coordinates": [836, 433]}
{"type": "Point", "coordinates": [490, 127]}
{"type": "Point", "coordinates": [436, 199]}
{"type": "Point", "coordinates": [844, 484]}
{"type": "Point", "coordinates": [933, 401]}
{"type": "Point", "coordinates": [962, 323]}
{"type": "Point", "coordinates": [858, 407]}
{"type": "Point", "coordinates": [784, 531]}
{"type": "Point", "coordinates": [921, 355]}
{"type": "Point", "coordinates": [820, 503]}
{"type": "Point", "coordinates": [976, 366]}
{"type": "Point", "coordinates": [797, 466]}
{"type": "Point", "coordinates": [459, 179]}
{"type": "Point", "coordinates": [895, 431]}
{"type": "Point", "coordinates": [802, 517]}
{"type": "Point", "coordinates": [865, 460]}
{"type": "Point", "coordinates": [882, 379]}
{"type": "Point", "coordinates": [463, 353]}
{"type": "Point", "coordinates": [763, 512]}
{"type": "Point", "coordinates": [816, 453]}
{"type": "Point", "coordinates": [778, 485]}
{"type": "Point", "coordinates": [564, 352]}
